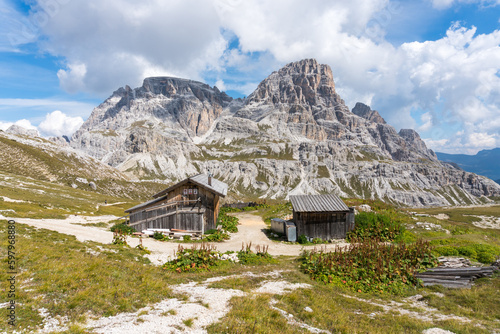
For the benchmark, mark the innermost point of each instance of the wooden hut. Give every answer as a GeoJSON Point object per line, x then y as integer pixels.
{"type": "Point", "coordinates": [322, 216]}
{"type": "Point", "coordinates": [192, 205]}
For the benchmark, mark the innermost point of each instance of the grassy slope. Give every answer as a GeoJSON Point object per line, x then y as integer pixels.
{"type": "Point", "coordinates": [62, 274]}
{"type": "Point", "coordinates": [41, 160]}
{"type": "Point", "coordinates": [43, 199]}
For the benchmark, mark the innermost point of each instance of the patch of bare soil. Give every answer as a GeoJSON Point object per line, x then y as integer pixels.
{"type": "Point", "coordinates": [487, 222]}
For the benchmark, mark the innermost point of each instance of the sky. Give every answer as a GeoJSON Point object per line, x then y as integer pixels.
{"type": "Point", "coordinates": [429, 65]}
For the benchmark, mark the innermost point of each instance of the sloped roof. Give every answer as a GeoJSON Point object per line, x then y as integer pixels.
{"type": "Point", "coordinates": [317, 203]}
{"type": "Point", "coordinates": [138, 206]}
{"type": "Point", "coordinates": [218, 187]}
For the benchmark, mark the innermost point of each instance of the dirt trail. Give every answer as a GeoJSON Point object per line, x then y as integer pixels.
{"type": "Point", "coordinates": [250, 230]}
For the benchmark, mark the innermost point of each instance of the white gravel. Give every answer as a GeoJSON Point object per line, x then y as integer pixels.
{"type": "Point", "coordinates": [204, 306]}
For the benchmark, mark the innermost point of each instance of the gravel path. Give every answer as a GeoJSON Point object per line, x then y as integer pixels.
{"type": "Point", "coordinates": [251, 230]}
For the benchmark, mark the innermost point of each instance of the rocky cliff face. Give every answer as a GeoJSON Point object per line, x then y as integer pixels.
{"type": "Point", "coordinates": [293, 135]}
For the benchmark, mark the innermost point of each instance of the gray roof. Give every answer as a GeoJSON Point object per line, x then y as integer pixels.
{"type": "Point", "coordinates": [219, 187]}
{"type": "Point", "coordinates": [138, 206]}
{"type": "Point", "coordinates": [317, 203]}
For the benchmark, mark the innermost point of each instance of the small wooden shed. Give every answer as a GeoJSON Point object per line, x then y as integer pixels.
{"type": "Point", "coordinates": [192, 204]}
{"type": "Point", "coordinates": [322, 216]}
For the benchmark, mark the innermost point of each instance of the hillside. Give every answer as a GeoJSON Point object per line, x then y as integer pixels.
{"type": "Point", "coordinates": [41, 160]}
{"type": "Point", "coordinates": [485, 162]}
{"type": "Point", "coordinates": [293, 135]}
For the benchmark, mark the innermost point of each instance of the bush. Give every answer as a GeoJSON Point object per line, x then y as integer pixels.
{"type": "Point", "coordinates": [446, 251]}
{"type": "Point", "coordinates": [371, 225]}
{"type": "Point", "coordinates": [119, 238]}
{"type": "Point", "coordinates": [228, 223]}
{"type": "Point", "coordinates": [159, 236]}
{"type": "Point", "coordinates": [486, 257]}
{"type": "Point", "coordinates": [479, 252]}
{"type": "Point", "coordinates": [370, 266]}
{"type": "Point", "coordinates": [246, 256]}
{"type": "Point", "coordinates": [406, 237]}
{"type": "Point", "coordinates": [468, 252]}
{"type": "Point", "coordinates": [122, 228]}
{"type": "Point", "coordinates": [217, 236]}
{"type": "Point", "coordinates": [194, 259]}
{"type": "Point", "coordinates": [302, 239]}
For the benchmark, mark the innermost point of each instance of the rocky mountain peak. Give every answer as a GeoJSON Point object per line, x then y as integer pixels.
{"type": "Point", "coordinates": [170, 87]}
{"type": "Point", "coordinates": [362, 110]}
{"type": "Point", "coordinates": [20, 130]}
{"type": "Point", "coordinates": [304, 82]}
{"type": "Point", "coordinates": [293, 135]}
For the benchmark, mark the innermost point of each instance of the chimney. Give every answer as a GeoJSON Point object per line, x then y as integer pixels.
{"type": "Point", "coordinates": [210, 179]}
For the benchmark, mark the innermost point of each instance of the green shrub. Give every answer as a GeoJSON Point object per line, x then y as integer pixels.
{"type": "Point", "coordinates": [457, 230]}
{"type": "Point", "coordinates": [122, 228]}
{"type": "Point", "coordinates": [302, 239]}
{"type": "Point", "coordinates": [480, 252]}
{"type": "Point", "coordinates": [261, 256]}
{"type": "Point", "coordinates": [194, 259]}
{"type": "Point", "coordinates": [228, 223]}
{"type": "Point", "coordinates": [318, 241]}
{"type": "Point", "coordinates": [119, 238]}
{"type": "Point", "coordinates": [446, 251]}
{"type": "Point", "coordinates": [217, 236]}
{"type": "Point", "coordinates": [159, 236]}
{"type": "Point", "coordinates": [371, 225]}
{"type": "Point", "coordinates": [370, 265]}
{"type": "Point", "coordinates": [406, 237]}
{"type": "Point", "coordinates": [186, 237]}
{"type": "Point", "coordinates": [468, 252]}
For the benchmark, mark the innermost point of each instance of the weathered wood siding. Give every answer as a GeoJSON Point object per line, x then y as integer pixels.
{"type": "Point", "coordinates": [197, 216]}
{"type": "Point", "coordinates": [324, 225]}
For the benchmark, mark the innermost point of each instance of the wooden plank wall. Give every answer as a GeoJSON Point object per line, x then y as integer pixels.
{"type": "Point", "coordinates": [324, 225]}
{"type": "Point", "coordinates": [184, 221]}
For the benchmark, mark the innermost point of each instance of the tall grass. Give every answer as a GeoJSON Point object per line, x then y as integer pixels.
{"type": "Point", "coordinates": [370, 266]}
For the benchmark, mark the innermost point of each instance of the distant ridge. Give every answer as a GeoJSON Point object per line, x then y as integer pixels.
{"type": "Point", "coordinates": [293, 135]}
{"type": "Point", "coordinates": [485, 162]}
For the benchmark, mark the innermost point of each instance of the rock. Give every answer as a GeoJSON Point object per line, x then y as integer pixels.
{"type": "Point", "coordinates": [364, 207]}
{"type": "Point", "coordinates": [292, 135]}
{"type": "Point", "coordinates": [362, 110]}
{"type": "Point", "coordinates": [19, 130]}
{"type": "Point", "coordinates": [74, 186]}
{"type": "Point", "coordinates": [308, 309]}
{"type": "Point", "coordinates": [436, 330]}
{"type": "Point", "coordinates": [61, 141]}
{"type": "Point", "coordinates": [453, 262]}
{"type": "Point", "coordinates": [92, 185]}
{"type": "Point", "coordinates": [81, 180]}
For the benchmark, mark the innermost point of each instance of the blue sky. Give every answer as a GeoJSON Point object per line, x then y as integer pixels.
{"type": "Point", "coordinates": [431, 65]}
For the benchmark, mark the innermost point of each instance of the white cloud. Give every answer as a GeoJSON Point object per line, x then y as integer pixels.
{"type": "Point", "coordinates": [455, 78]}
{"type": "Point", "coordinates": [57, 123]}
{"type": "Point", "coordinates": [109, 44]}
{"type": "Point", "coordinates": [444, 4]}
{"type": "Point", "coordinates": [426, 119]}
{"type": "Point", "coordinates": [22, 122]}
{"type": "Point", "coordinates": [221, 85]}
{"type": "Point", "coordinates": [72, 79]}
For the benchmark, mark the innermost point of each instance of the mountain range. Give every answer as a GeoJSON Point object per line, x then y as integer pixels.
{"type": "Point", "coordinates": [293, 135]}
{"type": "Point", "coordinates": [485, 162]}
